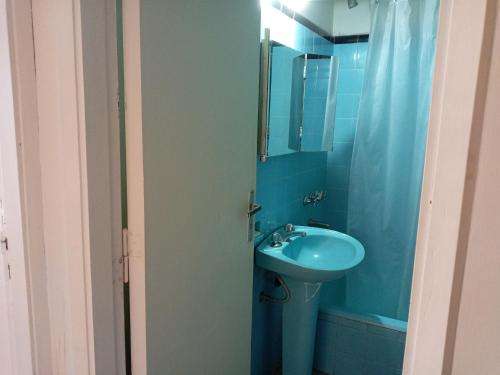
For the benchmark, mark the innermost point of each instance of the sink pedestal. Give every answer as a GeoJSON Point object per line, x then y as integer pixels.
{"type": "Point", "coordinates": [300, 315]}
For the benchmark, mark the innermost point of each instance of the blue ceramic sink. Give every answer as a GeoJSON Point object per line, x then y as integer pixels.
{"type": "Point", "coordinates": [305, 257]}
{"type": "Point", "coordinates": [321, 255]}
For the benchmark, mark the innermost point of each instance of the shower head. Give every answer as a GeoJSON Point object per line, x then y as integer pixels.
{"type": "Point", "coordinates": [352, 3]}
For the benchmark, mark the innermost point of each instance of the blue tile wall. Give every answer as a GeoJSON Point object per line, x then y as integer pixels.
{"type": "Point", "coordinates": [282, 182]}
{"type": "Point", "coordinates": [352, 59]}
{"type": "Point", "coordinates": [348, 346]}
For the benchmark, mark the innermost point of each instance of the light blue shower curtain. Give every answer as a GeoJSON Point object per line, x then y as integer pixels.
{"type": "Point", "coordinates": [388, 155]}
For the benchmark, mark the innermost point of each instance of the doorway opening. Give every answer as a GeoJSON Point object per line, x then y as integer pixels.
{"type": "Point", "coordinates": [367, 73]}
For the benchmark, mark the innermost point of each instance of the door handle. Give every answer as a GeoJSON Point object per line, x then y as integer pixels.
{"type": "Point", "coordinates": [253, 209]}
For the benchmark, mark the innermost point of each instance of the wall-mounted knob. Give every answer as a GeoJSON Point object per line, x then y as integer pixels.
{"type": "Point", "coordinates": [314, 197]}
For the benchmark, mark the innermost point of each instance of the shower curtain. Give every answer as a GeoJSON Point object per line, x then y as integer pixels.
{"type": "Point", "coordinates": [388, 155]}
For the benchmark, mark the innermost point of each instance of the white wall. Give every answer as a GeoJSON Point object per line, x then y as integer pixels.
{"type": "Point", "coordinates": [320, 12]}
{"type": "Point", "coordinates": [334, 16]}
{"type": "Point", "coordinates": [351, 21]}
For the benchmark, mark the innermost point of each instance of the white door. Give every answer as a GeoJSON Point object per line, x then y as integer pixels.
{"type": "Point", "coordinates": [191, 86]}
{"type": "Point", "coordinates": [5, 295]}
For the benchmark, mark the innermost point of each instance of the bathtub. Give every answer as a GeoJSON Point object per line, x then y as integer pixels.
{"type": "Point", "coordinates": [350, 343]}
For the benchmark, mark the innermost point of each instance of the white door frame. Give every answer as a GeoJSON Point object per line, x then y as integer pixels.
{"type": "Point", "coordinates": [6, 337]}
{"type": "Point", "coordinates": [439, 256]}
{"type": "Point", "coordinates": [18, 304]}
{"type": "Point", "coordinates": [463, 54]}
{"type": "Point", "coordinates": [135, 184]}
{"type": "Point", "coordinates": [67, 137]}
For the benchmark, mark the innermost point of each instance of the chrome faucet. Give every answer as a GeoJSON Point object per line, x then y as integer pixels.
{"type": "Point", "coordinates": [287, 237]}
{"type": "Point", "coordinates": [291, 232]}
{"type": "Point", "coordinates": [314, 198]}
{"type": "Point", "coordinates": [277, 240]}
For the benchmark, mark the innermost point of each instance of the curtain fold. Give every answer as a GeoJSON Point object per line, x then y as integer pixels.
{"type": "Point", "coordinates": [388, 155]}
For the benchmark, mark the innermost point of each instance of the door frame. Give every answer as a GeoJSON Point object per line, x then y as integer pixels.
{"type": "Point", "coordinates": [6, 337]}
{"type": "Point", "coordinates": [461, 54]}
{"type": "Point", "coordinates": [135, 184]}
{"type": "Point", "coordinates": [69, 182]}
{"type": "Point", "coordinates": [22, 304]}
{"type": "Point", "coordinates": [459, 92]}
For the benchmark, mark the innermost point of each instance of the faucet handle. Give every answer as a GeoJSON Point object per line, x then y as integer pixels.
{"type": "Point", "coordinates": [289, 228]}
{"type": "Point", "coordinates": [276, 240]}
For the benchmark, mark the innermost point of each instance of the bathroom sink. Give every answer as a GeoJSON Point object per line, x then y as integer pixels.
{"type": "Point", "coordinates": [304, 258]}
{"type": "Point", "coordinates": [313, 255]}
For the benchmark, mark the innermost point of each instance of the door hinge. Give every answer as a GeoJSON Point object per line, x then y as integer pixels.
{"type": "Point", "coordinates": [125, 256]}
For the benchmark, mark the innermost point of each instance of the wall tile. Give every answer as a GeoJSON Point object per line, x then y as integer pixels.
{"type": "Point", "coordinates": [341, 154]}
{"type": "Point", "coordinates": [372, 368]}
{"type": "Point", "coordinates": [362, 54]}
{"type": "Point", "coordinates": [338, 177]}
{"type": "Point", "coordinates": [350, 81]}
{"type": "Point", "coordinates": [338, 200]}
{"type": "Point", "coordinates": [333, 293]}
{"type": "Point", "coordinates": [345, 106]}
{"type": "Point", "coordinates": [337, 220]}
{"type": "Point", "coordinates": [383, 349]}
{"type": "Point", "coordinates": [344, 130]}
{"type": "Point", "coordinates": [348, 364]}
{"type": "Point", "coordinates": [352, 56]}
{"type": "Point", "coordinates": [347, 54]}
{"type": "Point", "coordinates": [358, 347]}
{"type": "Point", "coordinates": [355, 106]}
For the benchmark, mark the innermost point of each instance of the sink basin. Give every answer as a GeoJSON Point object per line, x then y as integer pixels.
{"type": "Point", "coordinates": [304, 263]}
{"type": "Point", "coordinates": [322, 255]}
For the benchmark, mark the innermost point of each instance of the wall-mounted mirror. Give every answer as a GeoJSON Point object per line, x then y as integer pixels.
{"type": "Point", "coordinates": [298, 98]}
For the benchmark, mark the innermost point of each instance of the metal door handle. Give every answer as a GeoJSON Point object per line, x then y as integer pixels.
{"type": "Point", "coordinates": [253, 209]}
